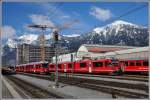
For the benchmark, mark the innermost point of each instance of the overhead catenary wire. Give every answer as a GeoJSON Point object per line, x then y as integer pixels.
{"type": "Point", "coordinates": [125, 14]}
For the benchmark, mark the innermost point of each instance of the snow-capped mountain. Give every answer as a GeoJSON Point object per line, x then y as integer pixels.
{"type": "Point", "coordinates": [119, 31]}
{"type": "Point", "coordinates": [34, 39]}
{"type": "Point", "coordinates": [114, 33]}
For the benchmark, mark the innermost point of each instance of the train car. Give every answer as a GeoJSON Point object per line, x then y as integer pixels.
{"type": "Point", "coordinates": [105, 66]}
{"type": "Point", "coordinates": [64, 67]}
{"type": "Point", "coordinates": [17, 69]}
{"type": "Point", "coordinates": [67, 67]}
{"type": "Point", "coordinates": [83, 66]}
{"type": "Point", "coordinates": [39, 67]}
{"type": "Point", "coordinates": [9, 70]}
{"type": "Point", "coordinates": [35, 67]}
{"type": "Point", "coordinates": [134, 66]}
{"type": "Point", "coordinates": [102, 66]}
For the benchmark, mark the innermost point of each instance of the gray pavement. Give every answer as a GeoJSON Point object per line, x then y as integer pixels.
{"type": "Point", "coordinates": [66, 90]}
{"type": "Point", "coordinates": [5, 92]}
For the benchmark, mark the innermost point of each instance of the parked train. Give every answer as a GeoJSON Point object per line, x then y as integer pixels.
{"type": "Point", "coordinates": [102, 66]}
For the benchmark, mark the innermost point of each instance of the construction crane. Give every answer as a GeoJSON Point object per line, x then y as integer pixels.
{"type": "Point", "coordinates": [41, 38]}
{"type": "Point", "coordinates": [55, 30]}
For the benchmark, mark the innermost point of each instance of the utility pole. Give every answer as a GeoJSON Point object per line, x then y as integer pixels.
{"type": "Point", "coordinates": [56, 55]}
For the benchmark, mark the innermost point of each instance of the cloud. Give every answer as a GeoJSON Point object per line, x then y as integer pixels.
{"type": "Point", "coordinates": [100, 14]}
{"type": "Point", "coordinates": [65, 16]}
{"type": "Point", "coordinates": [41, 19]}
{"type": "Point", "coordinates": [8, 32]}
{"type": "Point", "coordinates": [54, 11]}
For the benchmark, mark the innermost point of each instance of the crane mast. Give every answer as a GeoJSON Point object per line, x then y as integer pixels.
{"type": "Point", "coordinates": [42, 46]}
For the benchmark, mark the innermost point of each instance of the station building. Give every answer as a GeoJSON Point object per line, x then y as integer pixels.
{"type": "Point", "coordinates": [97, 51]}
{"type": "Point", "coordinates": [136, 53]}
{"type": "Point", "coordinates": [87, 51]}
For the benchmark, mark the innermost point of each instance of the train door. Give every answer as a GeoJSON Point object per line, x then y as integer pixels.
{"type": "Point", "coordinates": [90, 67]}
{"type": "Point", "coordinates": [70, 67]}
{"type": "Point", "coordinates": [34, 68]}
{"type": "Point", "coordinates": [65, 68]}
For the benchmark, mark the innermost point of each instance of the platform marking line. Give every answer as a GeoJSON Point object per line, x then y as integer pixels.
{"type": "Point", "coordinates": [11, 89]}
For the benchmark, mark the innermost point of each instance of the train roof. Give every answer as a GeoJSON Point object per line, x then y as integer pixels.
{"type": "Point", "coordinates": [41, 62]}
{"type": "Point", "coordinates": [139, 49]}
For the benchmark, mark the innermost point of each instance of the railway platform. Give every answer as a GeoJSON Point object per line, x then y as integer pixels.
{"type": "Point", "coordinates": [8, 91]}
{"type": "Point", "coordinates": [64, 90]}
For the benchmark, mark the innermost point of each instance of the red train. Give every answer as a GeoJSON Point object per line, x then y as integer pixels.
{"type": "Point", "coordinates": [37, 67]}
{"type": "Point", "coordinates": [134, 66]}
{"type": "Point", "coordinates": [102, 66]}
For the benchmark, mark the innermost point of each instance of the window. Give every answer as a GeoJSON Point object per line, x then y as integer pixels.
{"type": "Point", "coordinates": [45, 65]}
{"type": "Point", "coordinates": [131, 64]}
{"type": "Point", "coordinates": [97, 64]}
{"type": "Point", "coordinates": [145, 63]}
{"type": "Point", "coordinates": [52, 66]}
{"type": "Point", "coordinates": [82, 65]}
{"type": "Point", "coordinates": [59, 66]}
{"type": "Point", "coordinates": [138, 63]}
{"type": "Point", "coordinates": [70, 65]}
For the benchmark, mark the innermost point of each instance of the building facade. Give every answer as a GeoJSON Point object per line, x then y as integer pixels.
{"type": "Point", "coordinates": [30, 53]}
{"type": "Point", "coordinates": [98, 51]}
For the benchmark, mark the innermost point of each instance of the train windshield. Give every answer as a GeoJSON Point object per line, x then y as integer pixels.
{"type": "Point", "coordinates": [45, 65]}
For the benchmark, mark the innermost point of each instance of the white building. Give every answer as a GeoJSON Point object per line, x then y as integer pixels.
{"type": "Point", "coordinates": [65, 57]}
{"type": "Point", "coordinates": [105, 51]}
{"type": "Point", "coordinates": [98, 51]}
{"type": "Point", "coordinates": [136, 53]}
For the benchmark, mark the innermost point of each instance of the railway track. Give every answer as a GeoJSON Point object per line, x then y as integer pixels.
{"type": "Point", "coordinates": [115, 88]}
{"type": "Point", "coordinates": [31, 90]}
{"type": "Point", "coordinates": [122, 77]}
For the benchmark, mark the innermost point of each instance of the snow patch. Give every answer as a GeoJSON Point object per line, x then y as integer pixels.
{"type": "Point", "coordinates": [11, 43]}
{"type": "Point", "coordinates": [29, 38]}
{"type": "Point", "coordinates": [71, 35]}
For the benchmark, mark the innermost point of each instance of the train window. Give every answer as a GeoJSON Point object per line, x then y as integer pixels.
{"type": "Point", "coordinates": [97, 64]}
{"type": "Point", "coordinates": [59, 66]}
{"type": "Point", "coordinates": [132, 64]}
{"type": "Point", "coordinates": [138, 63]}
{"type": "Point", "coordinates": [82, 65]}
{"type": "Point", "coordinates": [45, 65]}
{"type": "Point", "coordinates": [70, 65]}
{"type": "Point", "coordinates": [52, 66]}
{"type": "Point", "coordinates": [145, 63]}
